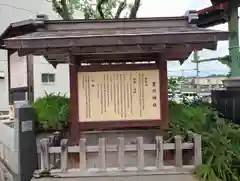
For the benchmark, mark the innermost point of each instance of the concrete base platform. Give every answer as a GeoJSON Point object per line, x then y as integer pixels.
{"type": "Point", "coordinates": [176, 177]}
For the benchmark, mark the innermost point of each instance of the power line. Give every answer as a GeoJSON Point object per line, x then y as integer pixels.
{"type": "Point", "coordinates": [19, 8]}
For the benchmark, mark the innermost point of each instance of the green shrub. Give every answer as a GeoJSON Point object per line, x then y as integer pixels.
{"type": "Point", "coordinates": [221, 140]}
{"type": "Point", "coordinates": [52, 111]}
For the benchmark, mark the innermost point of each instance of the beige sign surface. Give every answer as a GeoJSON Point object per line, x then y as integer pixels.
{"type": "Point", "coordinates": [119, 95]}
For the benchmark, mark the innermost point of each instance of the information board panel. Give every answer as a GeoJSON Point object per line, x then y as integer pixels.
{"type": "Point", "coordinates": [119, 95]}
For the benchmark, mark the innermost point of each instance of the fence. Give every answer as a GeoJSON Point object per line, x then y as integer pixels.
{"type": "Point", "coordinates": [121, 168]}
{"type": "Point", "coordinates": [8, 152]}
{"type": "Point", "coordinates": [227, 102]}
{"type": "Point", "coordinates": [18, 144]}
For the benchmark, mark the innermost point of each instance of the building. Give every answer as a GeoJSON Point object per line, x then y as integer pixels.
{"type": "Point", "coordinates": [202, 85]}
{"type": "Point", "coordinates": [46, 78]}
{"type": "Point", "coordinates": [213, 81]}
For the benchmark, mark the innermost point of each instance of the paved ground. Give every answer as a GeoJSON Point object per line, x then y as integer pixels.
{"type": "Point", "coordinates": [132, 178]}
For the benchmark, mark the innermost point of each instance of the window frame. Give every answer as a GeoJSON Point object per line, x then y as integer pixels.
{"type": "Point", "coordinates": [48, 78]}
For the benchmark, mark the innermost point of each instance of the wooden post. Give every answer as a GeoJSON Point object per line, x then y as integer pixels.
{"type": "Point", "coordinates": [102, 154]}
{"type": "Point", "coordinates": [44, 154]}
{"type": "Point", "coordinates": [162, 66]}
{"type": "Point", "coordinates": [57, 138]}
{"type": "Point", "coordinates": [121, 153]}
{"type": "Point", "coordinates": [197, 149]}
{"type": "Point", "coordinates": [178, 151]}
{"type": "Point", "coordinates": [159, 152]}
{"type": "Point", "coordinates": [73, 110]}
{"type": "Point", "coordinates": [2, 175]}
{"type": "Point", "coordinates": [52, 155]}
{"type": "Point", "coordinates": [64, 154]}
{"type": "Point", "coordinates": [83, 156]}
{"type": "Point", "coordinates": [140, 150]}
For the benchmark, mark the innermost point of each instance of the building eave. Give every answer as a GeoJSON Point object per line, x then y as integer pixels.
{"type": "Point", "coordinates": [20, 28]}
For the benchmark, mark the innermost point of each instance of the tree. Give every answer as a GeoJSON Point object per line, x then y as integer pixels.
{"type": "Point", "coordinates": [95, 9]}
{"type": "Point", "coordinates": [225, 60]}
{"type": "Point", "coordinates": [174, 84]}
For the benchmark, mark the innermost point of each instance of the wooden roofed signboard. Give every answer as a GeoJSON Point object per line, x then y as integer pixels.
{"type": "Point", "coordinates": [108, 92]}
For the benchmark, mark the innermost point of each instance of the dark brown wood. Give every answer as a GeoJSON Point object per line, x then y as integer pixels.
{"type": "Point", "coordinates": [97, 50]}
{"type": "Point", "coordinates": [33, 40]}
{"type": "Point", "coordinates": [30, 78]}
{"type": "Point", "coordinates": [9, 52]}
{"type": "Point", "coordinates": [12, 91]}
{"type": "Point", "coordinates": [125, 49]}
{"type": "Point", "coordinates": [162, 65]}
{"type": "Point", "coordinates": [19, 89]}
{"type": "Point", "coordinates": [73, 109]}
{"type": "Point", "coordinates": [127, 124]}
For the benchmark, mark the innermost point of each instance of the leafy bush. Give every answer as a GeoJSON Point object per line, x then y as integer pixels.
{"type": "Point", "coordinates": [52, 111]}
{"type": "Point", "coordinates": [221, 139]}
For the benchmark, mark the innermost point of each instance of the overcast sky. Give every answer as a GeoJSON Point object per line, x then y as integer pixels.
{"type": "Point", "coordinates": [177, 8]}
{"type": "Point", "coordinates": [149, 8]}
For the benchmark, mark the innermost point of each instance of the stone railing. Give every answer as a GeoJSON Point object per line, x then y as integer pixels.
{"type": "Point", "coordinates": [117, 159]}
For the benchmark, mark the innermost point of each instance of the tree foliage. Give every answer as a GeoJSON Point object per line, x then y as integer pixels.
{"type": "Point", "coordinates": [95, 9]}
{"type": "Point", "coordinates": [174, 84]}
{"type": "Point", "coordinates": [225, 60]}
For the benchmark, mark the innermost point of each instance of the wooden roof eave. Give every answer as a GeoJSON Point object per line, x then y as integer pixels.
{"type": "Point", "coordinates": [127, 49]}
{"type": "Point", "coordinates": [33, 25]}
{"type": "Point", "coordinates": [98, 38]}
{"type": "Point", "coordinates": [120, 53]}
{"type": "Point", "coordinates": [118, 40]}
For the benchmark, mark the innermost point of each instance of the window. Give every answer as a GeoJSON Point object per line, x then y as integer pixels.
{"type": "Point", "coordinates": [48, 78]}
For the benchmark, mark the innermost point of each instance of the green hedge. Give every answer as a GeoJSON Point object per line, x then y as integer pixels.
{"type": "Point", "coordinates": [52, 112]}
{"type": "Point", "coordinates": [221, 139]}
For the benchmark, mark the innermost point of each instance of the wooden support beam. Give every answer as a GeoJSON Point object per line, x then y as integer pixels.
{"type": "Point", "coordinates": [73, 112]}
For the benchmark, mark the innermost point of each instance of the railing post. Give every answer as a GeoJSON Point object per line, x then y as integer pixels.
{"type": "Point", "coordinates": [140, 150]}
{"type": "Point", "coordinates": [82, 155]}
{"type": "Point", "coordinates": [52, 159]}
{"type": "Point", "coordinates": [2, 175]}
{"type": "Point", "coordinates": [64, 154]}
{"type": "Point", "coordinates": [121, 153]}
{"type": "Point", "coordinates": [102, 154]}
{"type": "Point", "coordinates": [178, 151]}
{"type": "Point", "coordinates": [159, 152]}
{"type": "Point", "coordinates": [57, 138]}
{"type": "Point", "coordinates": [197, 149]}
{"type": "Point", "coordinates": [44, 154]}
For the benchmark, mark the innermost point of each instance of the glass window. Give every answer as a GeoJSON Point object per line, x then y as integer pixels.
{"type": "Point", "coordinates": [48, 78]}
{"type": "Point", "coordinates": [51, 78]}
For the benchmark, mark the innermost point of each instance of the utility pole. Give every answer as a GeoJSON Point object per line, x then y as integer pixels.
{"type": "Point", "coordinates": [182, 72]}
{"type": "Point", "coordinates": [196, 59]}
{"type": "Point", "coordinates": [233, 28]}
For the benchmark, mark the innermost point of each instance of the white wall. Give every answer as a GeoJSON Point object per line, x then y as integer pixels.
{"type": "Point", "coordinates": [3, 87]}
{"type": "Point", "coordinates": [15, 13]}
{"type": "Point", "coordinates": [61, 76]}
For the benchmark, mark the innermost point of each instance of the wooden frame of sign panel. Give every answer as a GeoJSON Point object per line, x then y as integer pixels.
{"type": "Point", "coordinates": [83, 125]}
